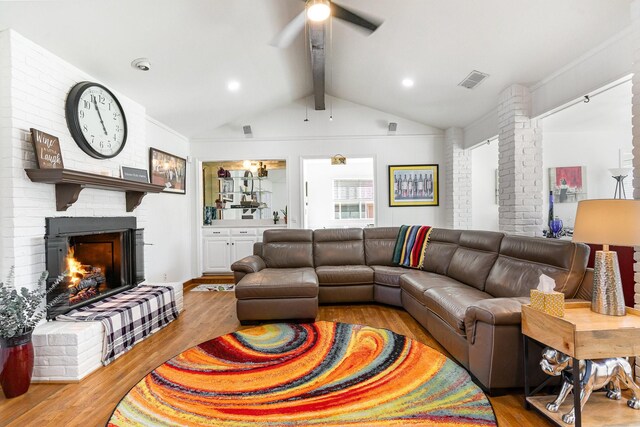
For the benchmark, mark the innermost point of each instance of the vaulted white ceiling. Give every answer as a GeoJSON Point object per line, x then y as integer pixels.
{"type": "Point", "coordinates": [197, 46]}
{"type": "Point", "coordinates": [609, 111]}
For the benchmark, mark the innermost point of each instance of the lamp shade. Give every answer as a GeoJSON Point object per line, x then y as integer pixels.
{"type": "Point", "coordinates": [608, 222]}
{"type": "Point", "coordinates": [620, 171]}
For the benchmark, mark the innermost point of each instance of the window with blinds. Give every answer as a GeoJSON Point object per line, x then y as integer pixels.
{"type": "Point", "coordinates": [353, 199]}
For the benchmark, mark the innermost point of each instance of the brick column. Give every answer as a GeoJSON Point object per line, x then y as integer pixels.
{"type": "Point", "coordinates": [519, 164]}
{"type": "Point", "coordinates": [457, 180]}
{"type": "Point", "coordinates": [635, 122]}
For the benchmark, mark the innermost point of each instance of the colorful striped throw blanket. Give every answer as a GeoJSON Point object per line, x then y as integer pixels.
{"type": "Point", "coordinates": [411, 245]}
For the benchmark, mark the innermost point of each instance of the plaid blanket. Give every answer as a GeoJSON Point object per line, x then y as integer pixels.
{"type": "Point", "coordinates": [411, 245]}
{"type": "Point", "coordinates": [128, 317]}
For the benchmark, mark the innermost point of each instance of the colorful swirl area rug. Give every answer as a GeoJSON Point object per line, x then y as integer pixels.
{"type": "Point", "coordinates": [317, 374]}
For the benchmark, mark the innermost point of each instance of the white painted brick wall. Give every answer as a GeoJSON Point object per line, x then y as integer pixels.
{"type": "Point", "coordinates": [457, 172]}
{"type": "Point", "coordinates": [6, 200]}
{"type": "Point", "coordinates": [635, 122]}
{"type": "Point", "coordinates": [39, 82]}
{"type": "Point", "coordinates": [519, 164]}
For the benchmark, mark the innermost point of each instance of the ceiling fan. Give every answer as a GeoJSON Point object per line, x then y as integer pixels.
{"type": "Point", "coordinates": [319, 11]}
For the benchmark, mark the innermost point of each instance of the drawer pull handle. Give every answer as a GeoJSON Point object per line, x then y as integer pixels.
{"type": "Point", "coordinates": [243, 232]}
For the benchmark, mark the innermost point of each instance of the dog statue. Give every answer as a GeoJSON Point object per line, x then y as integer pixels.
{"type": "Point", "coordinates": [594, 375]}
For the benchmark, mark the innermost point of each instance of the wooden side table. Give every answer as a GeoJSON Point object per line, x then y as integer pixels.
{"type": "Point", "coordinates": [583, 334]}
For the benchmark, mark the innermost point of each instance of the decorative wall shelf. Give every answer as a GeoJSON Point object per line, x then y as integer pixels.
{"type": "Point", "coordinates": [70, 183]}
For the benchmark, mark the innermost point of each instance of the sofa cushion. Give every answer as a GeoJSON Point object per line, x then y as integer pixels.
{"type": "Point", "coordinates": [287, 248]}
{"type": "Point", "coordinates": [379, 243]}
{"type": "Point", "coordinates": [523, 259]}
{"type": "Point", "coordinates": [338, 246]}
{"type": "Point", "coordinates": [476, 253]}
{"type": "Point", "coordinates": [345, 275]}
{"type": "Point", "coordinates": [278, 283]}
{"type": "Point", "coordinates": [417, 282]}
{"type": "Point", "coordinates": [388, 276]}
{"type": "Point", "coordinates": [450, 303]}
{"type": "Point", "coordinates": [442, 245]}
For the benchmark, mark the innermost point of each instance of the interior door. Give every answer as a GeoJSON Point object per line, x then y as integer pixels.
{"type": "Point", "coordinates": [338, 195]}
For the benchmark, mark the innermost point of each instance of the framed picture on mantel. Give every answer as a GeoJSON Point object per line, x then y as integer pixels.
{"type": "Point", "coordinates": [413, 185]}
{"type": "Point", "coordinates": [47, 148]}
{"type": "Point", "coordinates": [168, 170]}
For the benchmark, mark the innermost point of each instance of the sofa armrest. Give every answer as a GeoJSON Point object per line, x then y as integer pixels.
{"type": "Point", "coordinates": [495, 311]}
{"type": "Point", "coordinates": [250, 264]}
{"type": "Point", "coordinates": [585, 290]}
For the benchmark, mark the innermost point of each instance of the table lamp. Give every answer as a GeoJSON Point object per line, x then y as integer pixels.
{"type": "Point", "coordinates": [608, 222]}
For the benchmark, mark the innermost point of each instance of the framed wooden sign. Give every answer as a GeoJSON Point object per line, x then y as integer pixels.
{"type": "Point", "coordinates": [47, 148]}
{"type": "Point", "coordinates": [134, 174]}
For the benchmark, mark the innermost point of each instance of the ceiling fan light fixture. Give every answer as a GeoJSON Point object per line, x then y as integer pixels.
{"type": "Point", "coordinates": [407, 82]}
{"type": "Point", "coordinates": [318, 10]}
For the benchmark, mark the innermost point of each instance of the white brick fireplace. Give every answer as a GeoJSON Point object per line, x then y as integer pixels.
{"type": "Point", "coordinates": [34, 84]}
{"type": "Point", "coordinates": [38, 83]}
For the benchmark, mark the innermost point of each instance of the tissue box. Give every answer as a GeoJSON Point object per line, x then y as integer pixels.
{"type": "Point", "coordinates": [551, 303]}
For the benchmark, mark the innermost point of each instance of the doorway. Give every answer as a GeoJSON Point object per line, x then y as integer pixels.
{"type": "Point", "coordinates": [338, 196]}
{"type": "Point", "coordinates": [484, 186]}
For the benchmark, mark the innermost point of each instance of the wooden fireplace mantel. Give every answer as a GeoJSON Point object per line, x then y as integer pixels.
{"type": "Point", "coordinates": [70, 183]}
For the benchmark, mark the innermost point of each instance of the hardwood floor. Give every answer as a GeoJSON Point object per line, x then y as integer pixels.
{"type": "Point", "coordinates": [207, 315]}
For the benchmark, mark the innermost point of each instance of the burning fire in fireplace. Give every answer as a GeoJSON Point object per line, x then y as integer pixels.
{"type": "Point", "coordinates": [84, 281]}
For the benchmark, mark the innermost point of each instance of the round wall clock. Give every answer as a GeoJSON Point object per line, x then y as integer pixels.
{"type": "Point", "coordinates": [96, 120]}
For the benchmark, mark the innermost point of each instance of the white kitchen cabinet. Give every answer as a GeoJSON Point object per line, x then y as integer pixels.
{"type": "Point", "coordinates": [241, 247]}
{"type": "Point", "coordinates": [223, 246]}
{"type": "Point", "coordinates": [217, 254]}
{"type": "Point", "coordinates": [242, 240]}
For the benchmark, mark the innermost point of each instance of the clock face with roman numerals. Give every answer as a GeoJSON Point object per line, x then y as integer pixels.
{"type": "Point", "coordinates": [96, 120]}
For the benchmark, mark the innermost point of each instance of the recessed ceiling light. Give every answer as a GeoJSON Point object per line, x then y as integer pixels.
{"type": "Point", "coordinates": [407, 82]}
{"type": "Point", "coordinates": [233, 85]}
{"type": "Point", "coordinates": [141, 64]}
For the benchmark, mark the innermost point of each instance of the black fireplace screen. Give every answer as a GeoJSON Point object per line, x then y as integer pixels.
{"type": "Point", "coordinates": [98, 257]}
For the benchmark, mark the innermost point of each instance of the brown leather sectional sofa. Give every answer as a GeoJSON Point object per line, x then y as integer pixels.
{"type": "Point", "coordinates": [468, 294]}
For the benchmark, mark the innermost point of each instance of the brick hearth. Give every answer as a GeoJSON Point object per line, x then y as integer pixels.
{"type": "Point", "coordinates": [69, 351]}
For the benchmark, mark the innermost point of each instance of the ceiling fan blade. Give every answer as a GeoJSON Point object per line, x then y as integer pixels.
{"type": "Point", "coordinates": [289, 33]}
{"type": "Point", "coordinates": [340, 12]}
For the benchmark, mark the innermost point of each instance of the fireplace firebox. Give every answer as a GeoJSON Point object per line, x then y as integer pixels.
{"type": "Point", "coordinates": [98, 257]}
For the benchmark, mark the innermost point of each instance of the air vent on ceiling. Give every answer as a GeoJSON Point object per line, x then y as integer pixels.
{"type": "Point", "coordinates": [473, 79]}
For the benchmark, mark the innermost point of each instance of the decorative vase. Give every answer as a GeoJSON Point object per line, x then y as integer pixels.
{"type": "Point", "coordinates": [16, 364]}
{"type": "Point", "coordinates": [556, 227]}
{"type": "Point", "coordinates": [551, 216]}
